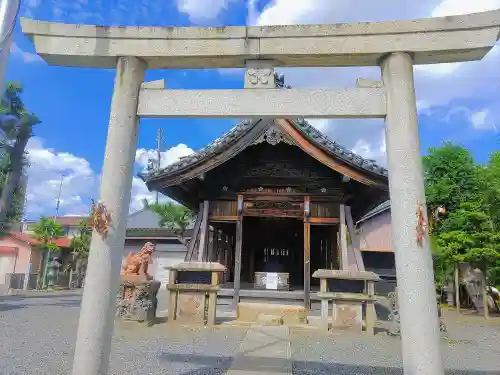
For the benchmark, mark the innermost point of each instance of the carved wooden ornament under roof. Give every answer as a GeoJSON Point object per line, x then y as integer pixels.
{"type": "Point", "coordinates": [273, 136]}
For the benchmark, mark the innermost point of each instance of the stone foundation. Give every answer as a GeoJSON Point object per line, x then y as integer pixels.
{"type": "Point", "coordinates": [348, 316]}
{"type": "Point", "coordinates": [136, 299]}
{"type": "Point", "coordinates": [287, 314]}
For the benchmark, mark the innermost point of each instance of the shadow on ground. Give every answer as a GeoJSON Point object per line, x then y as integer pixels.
{"type": "Point", "coordinates": [40, 295]}
{"type": "Point", "coordinates": [219, 365]}
{"type": "Point", "coordinates": [8, 307]}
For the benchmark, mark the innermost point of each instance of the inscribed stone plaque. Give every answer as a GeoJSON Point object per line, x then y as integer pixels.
{"type": "Point", "coordinates": [348, 317]}
{"type": "Point", "coordinates": [190, 308]}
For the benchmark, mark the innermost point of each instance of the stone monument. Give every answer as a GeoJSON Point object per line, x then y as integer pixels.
{"type": "Point", "coordinates": [136, 299]}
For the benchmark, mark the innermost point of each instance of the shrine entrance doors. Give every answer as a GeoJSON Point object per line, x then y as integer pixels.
{"type": "Point", "coordinates": [273, 245]}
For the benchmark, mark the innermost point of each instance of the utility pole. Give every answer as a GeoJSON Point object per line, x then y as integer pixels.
{"type": "Point", "coordinates": [59, 196]}
{"type": "Point", "coordinates": [9, 9]}
{"type": "Point", "coordinates": [158, 155]}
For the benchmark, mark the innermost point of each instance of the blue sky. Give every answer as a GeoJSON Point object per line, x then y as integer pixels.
{"type": "Point", "coordinates": [457, 102]}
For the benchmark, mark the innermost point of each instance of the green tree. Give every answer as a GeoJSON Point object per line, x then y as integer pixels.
{"type": "Point", "coordinates": [490, 188]}
{"type": "Point", "coordinates": [80, 246]}
{"type": "Point", "coordinates": [16, 125]}
{"type": "Point", "coordinates": [16, 208]}
{"type": "Point", "coordinates": [172, 216]}
{"type": "Point", "coordinates": [451, 177]}
{"type": "Point", "coordinates": [46, 231]}
{"type": "Point", "coordinates": [467, 235]}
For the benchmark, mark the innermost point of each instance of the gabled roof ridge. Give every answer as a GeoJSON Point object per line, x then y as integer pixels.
{"type": "Point", "coordinates": [337, 149]}
{"type": "Point", "coordinates": [237, 131]}
{"type": "Point", "coordinates": [205, 152]}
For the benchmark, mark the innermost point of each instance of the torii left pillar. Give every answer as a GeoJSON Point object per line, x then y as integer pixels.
{"type": "Point", "coordinates": [95, 328]}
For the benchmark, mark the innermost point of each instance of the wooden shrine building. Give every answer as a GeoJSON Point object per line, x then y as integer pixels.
{"type": "Point", "coordinates": [274, 196]}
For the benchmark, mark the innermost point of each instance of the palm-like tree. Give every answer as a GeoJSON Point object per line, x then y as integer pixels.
{"type": "Point", "coordinates": [46, 230]}
{"type": "Point", "coordinates": [16, 127]}
{"type": "Point", "coordinates": [172, 216]}
{"type": "Point", "coordinates": [80, 245]}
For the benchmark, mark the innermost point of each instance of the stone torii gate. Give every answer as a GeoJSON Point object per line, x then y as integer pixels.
{"type": "Point", "coordinates": [394, 46]}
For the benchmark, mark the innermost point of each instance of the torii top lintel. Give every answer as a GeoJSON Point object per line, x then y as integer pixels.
{"type": "Point", "coordinates": [429, 40]}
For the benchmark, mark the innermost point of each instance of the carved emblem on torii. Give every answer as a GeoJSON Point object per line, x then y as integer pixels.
{"type": "Point", "coordinates": [259, 77]}
{"type": "Point", "coordinates": [273, 136]}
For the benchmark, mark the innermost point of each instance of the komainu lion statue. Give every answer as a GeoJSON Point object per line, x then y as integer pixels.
{"type": "Point", "coordinates": [136, 297]}
{"type": "Point", "coordinates": [137, 264]}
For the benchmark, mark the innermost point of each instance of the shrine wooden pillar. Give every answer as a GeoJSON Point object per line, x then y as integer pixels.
{"type": "Point", "coordinates": [343, 240]}
{"type": "Point", "coordinates": [307, 252]}
{"type": "Point", "coordinates": [211, 248]}
{"type": "Point", "coordinates": [237, 251]}
{"type": "Point", "coordinates": [202, 247]}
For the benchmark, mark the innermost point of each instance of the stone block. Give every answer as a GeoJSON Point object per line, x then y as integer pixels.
{"type": "Point", "coordinates": [289, 314]}
{"type": "Point", "coordinates": [136, 299]}
{"type": "Point", "coordinates": [269, 320]}
{"type": "Point", "coordinates": [191, 308]}
{"type": "Point", "coordinates": [348, 317]}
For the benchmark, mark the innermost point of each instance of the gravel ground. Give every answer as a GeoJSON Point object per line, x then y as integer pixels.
{"type": "Point", "coordinates": [38, 333]}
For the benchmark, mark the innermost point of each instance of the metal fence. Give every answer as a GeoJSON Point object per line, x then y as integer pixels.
{"type": "Point", "coordinates": [17, 280]}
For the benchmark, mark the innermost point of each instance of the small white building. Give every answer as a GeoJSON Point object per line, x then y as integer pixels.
{"type": "Point", "coordinates": [142, 227]}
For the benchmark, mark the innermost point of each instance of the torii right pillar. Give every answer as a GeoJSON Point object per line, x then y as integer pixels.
{"type": "Point", "coordinates": [415, 276]}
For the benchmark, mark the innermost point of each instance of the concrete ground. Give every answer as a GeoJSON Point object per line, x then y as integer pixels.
{"type": "Point", "coordinates": [37, 335]}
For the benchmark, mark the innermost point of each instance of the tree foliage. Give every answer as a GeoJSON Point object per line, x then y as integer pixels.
{"type": "Point", "coordinates": [46, 231]}
{"type": "Point", "coordinates": [80, 245]}
{"type": "Point", "coordinates": [81, 242]}
{"type": "Point", "coordinates": [172, 216]}
{"type": "Point", "coordinates": [16, 127]}
{"type": "Point", "coordinates": [469, 230]}
{"type": "Point", "coordinates": [489, 179]}
{"type": "Point", "coordinates": [450, 177]}
{"type": "Point", "coordinates": [16, 208]}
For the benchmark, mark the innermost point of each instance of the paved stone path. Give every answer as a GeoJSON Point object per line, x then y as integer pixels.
{"type": "Point", "coordinates": [265, 350]}
{"type": "Point", "coordinates": [37, 335]}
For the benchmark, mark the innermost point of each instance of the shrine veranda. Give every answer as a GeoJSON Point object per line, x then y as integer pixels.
{"type": "Point", "coordinates": [395, 46]}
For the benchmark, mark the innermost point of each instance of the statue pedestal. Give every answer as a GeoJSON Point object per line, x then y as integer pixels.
{"type": "Point", "coordinates": [136, 299]}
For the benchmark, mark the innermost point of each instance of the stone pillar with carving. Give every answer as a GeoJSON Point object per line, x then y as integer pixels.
{"type": "Point", "coordinates": [95, 328]}
{"type": "Point", "coordinates": [416, 290]}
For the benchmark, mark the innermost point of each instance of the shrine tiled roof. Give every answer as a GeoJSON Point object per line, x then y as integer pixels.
{"type": "Point", "coordinates": [238, 131]}
{"type": "Point", "coordinates": [242, 128]}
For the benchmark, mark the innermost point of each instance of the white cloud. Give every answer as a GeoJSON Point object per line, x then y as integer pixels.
{"type": "Point", "coordinates": [322, 124]}
{"type": "Point", "coordinates": [479, 119]}
{"type": "Point", "coordinates": [167, 157]}
{"type": "Point", "coordinates": [482, 120]}
{"type": "Point", "coordinates": [454, 8]}
{"type": "Point", "coordinates": [202, 10]}
{"type": "Point", "coordinates": [27, 57]}
{"type": "Point", "coordinates": [436, 85]}
{"type": "Point", "coordinates": [44, 178]}
{"type": "Point", "coordinates": [459, 7]}
{"type": "Point", "coordinates": [80, 181]}
{"type": "Point", "coordinates": [142, 156]}
{"type": "Point", "coordinates": [372, 149]}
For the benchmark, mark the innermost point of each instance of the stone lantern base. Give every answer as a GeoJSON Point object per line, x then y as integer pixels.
{"type": "Point", "coordinates": [136, 299]}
